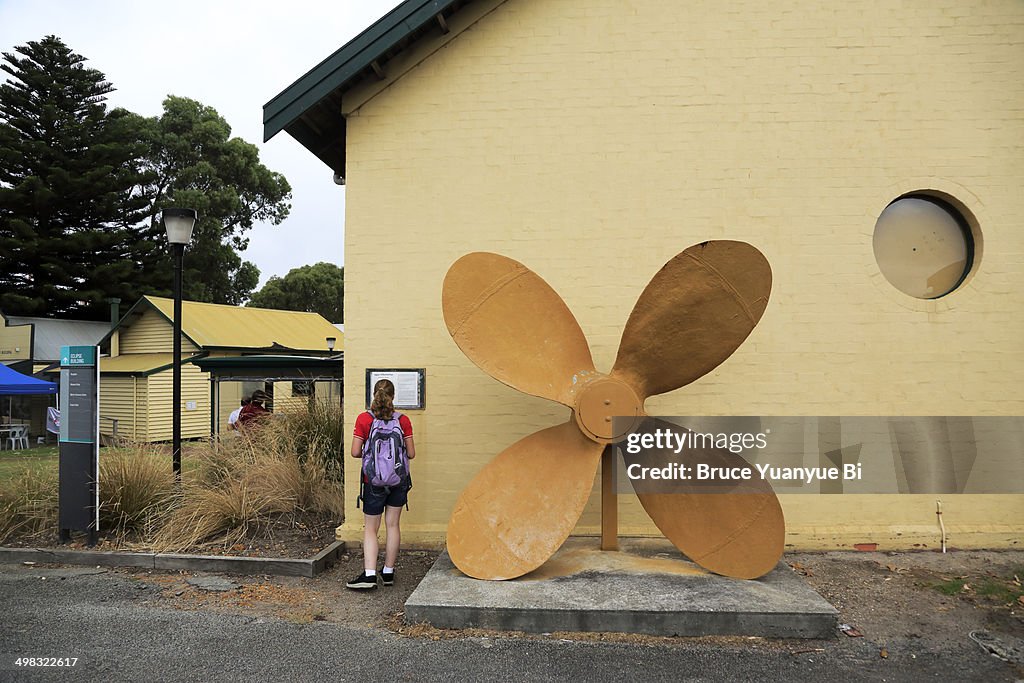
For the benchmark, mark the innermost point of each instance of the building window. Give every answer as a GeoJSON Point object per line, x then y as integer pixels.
{"type": "Point", "coordinates": [924, 246]}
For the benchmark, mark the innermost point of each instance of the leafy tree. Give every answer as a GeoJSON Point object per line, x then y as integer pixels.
{"type": "Point", "coordinates": [68, 179]}
{"type": "Point", "coordinates": [81, 190]}
{"type": "Point", "coordinates": [192, 161]}
{"type": "Point", "coordinates": [319, 288]}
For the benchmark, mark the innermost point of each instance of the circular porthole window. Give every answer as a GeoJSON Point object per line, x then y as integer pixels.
{"type": "Point", "coordinates": [924, 246]}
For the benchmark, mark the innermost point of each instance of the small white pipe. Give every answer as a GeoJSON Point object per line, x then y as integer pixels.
{"type": "Point", "coordinates": [938, 513]}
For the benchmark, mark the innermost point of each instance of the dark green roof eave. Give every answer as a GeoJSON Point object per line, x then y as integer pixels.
{"type": "Point", "coordinates": [269, 361]}
{"type": "Point", "coordinates": [332, 76]}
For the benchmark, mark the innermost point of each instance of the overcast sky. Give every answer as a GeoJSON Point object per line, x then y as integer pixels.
{"type": "Point", "coordinates": [228, 54]}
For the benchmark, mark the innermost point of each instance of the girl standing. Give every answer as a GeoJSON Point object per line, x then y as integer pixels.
{"type": "Point", "coordinates": [381, 500]}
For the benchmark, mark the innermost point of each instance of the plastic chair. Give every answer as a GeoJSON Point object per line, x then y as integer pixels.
{"type": "Point", "coordinates": [18, 437]}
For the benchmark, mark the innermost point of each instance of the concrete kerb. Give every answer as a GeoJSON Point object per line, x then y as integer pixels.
{"type": "Point", "coordinates": [201, 563]}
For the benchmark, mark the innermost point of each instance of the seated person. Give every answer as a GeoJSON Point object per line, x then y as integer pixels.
{"type": "Point", "coordinates": [233, 417]}
{"type": "Point", "coordinates": [256, 410]}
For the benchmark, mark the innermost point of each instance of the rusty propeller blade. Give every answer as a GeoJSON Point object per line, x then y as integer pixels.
{"type": "Point", "coordinates": [514, 326]}
{"type": "Point", "coordinates": [694, 313]}
{"type": "Point", "coordinates": [730, 527]}
{"type": "Point", "coordinates": [521, 506]}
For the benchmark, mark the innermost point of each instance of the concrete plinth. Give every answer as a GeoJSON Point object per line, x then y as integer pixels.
{"type": "Point", "coordinates": [645, 587]}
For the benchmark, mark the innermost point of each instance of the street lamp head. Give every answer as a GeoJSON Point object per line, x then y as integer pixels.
{"type": "Point", "coordinates": [179, 224]}
{"type": "Point", "coordinates": [330, 343]}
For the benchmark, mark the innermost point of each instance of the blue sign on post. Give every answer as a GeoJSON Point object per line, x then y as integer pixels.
{"type": "Point", "coordinates": [78, 394]}
{"type": "Point", "coordinates": [77, 355]}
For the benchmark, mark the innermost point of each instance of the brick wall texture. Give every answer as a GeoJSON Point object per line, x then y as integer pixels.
{"type": "Point", "coordinates": [592, 141]}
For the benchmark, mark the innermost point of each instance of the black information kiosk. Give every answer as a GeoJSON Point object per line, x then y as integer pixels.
{"type": "Point", "coordinates": [79, 441]}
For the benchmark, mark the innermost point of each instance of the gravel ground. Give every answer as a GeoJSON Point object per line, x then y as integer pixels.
{"type": "Point", "coordinates": [127, 624]}
{"type": "Point", "coordinates": [923, 603]}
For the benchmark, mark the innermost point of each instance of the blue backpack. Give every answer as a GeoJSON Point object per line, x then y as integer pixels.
{"type": "Point", "coordinates": [385, 461]}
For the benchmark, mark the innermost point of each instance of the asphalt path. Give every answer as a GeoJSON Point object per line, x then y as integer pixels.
{"type": "Point", "coordinates": [121, 633]}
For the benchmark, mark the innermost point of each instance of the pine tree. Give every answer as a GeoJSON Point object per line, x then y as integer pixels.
{"type": "Point", "coordinates": [69, 188]}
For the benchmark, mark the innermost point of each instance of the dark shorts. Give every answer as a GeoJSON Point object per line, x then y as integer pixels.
{"type": "Point", "coordinates": [376, 497]}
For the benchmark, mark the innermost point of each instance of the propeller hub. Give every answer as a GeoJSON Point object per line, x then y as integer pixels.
{"type": "Point", "coordinates": [599, 402]}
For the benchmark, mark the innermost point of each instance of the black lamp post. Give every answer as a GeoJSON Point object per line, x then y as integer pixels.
{"type": "Point", "coordinates": [179, 224]}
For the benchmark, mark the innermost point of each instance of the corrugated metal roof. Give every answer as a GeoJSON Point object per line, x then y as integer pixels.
{"type": "Point", "coordinates": [49, 334]}
{"type": "Point", "coordinates": [139, 363]}
{"type": "Point", "coordinates": [220, 326]}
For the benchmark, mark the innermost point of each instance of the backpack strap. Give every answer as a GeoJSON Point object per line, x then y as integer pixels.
{"type": "Point", "coordinates": [362, 479]}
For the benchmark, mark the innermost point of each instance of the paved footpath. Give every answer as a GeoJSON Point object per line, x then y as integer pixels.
{"type": "Point", "coordinates": [120, 633]}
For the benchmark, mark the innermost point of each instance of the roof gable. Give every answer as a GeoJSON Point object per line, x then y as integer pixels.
{"type": "Point", "coordinates": [310, 108]}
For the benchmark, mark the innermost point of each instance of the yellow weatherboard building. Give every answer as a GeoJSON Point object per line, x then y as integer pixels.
{"type": "Point", "coordinates": [136, 378]}
{"type": "Point", "coordinates": [592, 141]}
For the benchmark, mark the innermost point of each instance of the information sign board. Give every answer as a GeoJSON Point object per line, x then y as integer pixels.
{"type": "Point", "coordinates": [410, 386]}
{"type": "Point", "coordinates": [79, 441]}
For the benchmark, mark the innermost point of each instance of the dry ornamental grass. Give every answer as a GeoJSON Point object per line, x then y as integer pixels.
{"type": "Point", "coordinates": [28, 505]}
{"type": "Point", "coordinates": [233, 487]}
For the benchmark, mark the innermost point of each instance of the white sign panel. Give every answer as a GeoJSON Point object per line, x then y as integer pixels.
{"type": "Point", "coordinates": [408, 386]}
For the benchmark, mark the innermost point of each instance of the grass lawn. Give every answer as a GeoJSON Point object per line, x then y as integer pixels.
{"type": "Point", "coordinates": [14, 462]}
{"type": "Point", "coordinates": [43, 458]}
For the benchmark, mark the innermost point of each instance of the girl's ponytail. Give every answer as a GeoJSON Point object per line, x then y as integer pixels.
{"type": "Point", "coordinates": [383, 406]}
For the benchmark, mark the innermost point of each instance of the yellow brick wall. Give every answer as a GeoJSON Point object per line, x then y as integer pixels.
{"type": "Point", "coordinates": [593, 141]}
